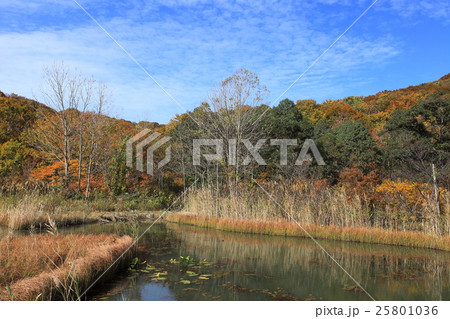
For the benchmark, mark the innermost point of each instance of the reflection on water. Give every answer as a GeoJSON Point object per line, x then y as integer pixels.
{"type": "Point", "coordinates": [253, 267]}
{"type": "Point", "coordinates": [229, 266]}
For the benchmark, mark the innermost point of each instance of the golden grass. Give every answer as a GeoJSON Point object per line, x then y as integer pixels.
{"type": "Point", "coordinates": [27, 211]}
{"type": "Point", "coordinates": [346, 233]}
{"type": "Point", "coordinates": [324, 212]}
{"type": "Point", "coordinates": [310, 205]}
{"type": "Point", "coordinates": [54, 266]}
{"type": "Point", "coordinates": [35, 211]}
{"type": "Point", "coordinates": [38, 211]}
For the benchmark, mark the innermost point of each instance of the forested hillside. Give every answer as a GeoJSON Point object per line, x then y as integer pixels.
{"type": "Point", "coordinates": [391, 135]}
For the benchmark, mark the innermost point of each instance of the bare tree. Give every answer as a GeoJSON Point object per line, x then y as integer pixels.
{"type": "Point", "coordinates": [234, 104]}
{"type": "Point", "coordinates": [85, 104]}
{"type": "Point", "coordinates": [96, 122]}
{"type": "Point", "coordinates": [60, 129]}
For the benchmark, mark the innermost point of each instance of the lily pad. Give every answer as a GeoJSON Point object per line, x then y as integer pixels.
{"type": "Point", "coordinates": [191, 273]}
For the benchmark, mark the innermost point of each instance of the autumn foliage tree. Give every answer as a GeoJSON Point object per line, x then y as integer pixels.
{"type": "Point", "coordinates": [16, 115]}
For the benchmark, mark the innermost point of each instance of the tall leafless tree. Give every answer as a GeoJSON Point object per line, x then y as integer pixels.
{"type": "Point", "coordinates": [234, 104]}
{"type": "Point", "coordinates": [96, 122]}
{"type": "Point", "coordinates": [60, 130]}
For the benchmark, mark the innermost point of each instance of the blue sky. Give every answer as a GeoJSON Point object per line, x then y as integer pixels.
{"type": "Point", "coordinates": [189, 46]}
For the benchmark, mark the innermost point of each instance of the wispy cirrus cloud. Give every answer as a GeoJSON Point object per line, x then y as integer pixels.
{"type": "Point", "coordinates": [189, 46]}
{"type": "Point", "coordinates": [437, 9]}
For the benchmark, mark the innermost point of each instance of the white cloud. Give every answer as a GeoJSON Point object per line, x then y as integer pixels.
{"type": "Point", "coordinates": [188, 52]}
{"type": "Point", "coordinates": [437, 9]}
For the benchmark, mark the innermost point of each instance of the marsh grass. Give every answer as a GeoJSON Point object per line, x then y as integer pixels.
{"type": "Point", "coordinates": [36, 212]}
{"type": "Point", "coordinates": [32, 210]}
{"type": "Point", "coordinates": [323, 206]}
{"type": "Point", "coordinates": [325, 212]}
{"type": "Point", "coordinates": [285, 228]}
{"type": "Point", "coordinates": [53, 266]}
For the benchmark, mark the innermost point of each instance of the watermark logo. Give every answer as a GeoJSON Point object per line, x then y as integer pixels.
{"type": "Point", "coordinates": [150, 147]}
{"type": "Point", "coordinates": [151, 142]}
{"type": "Point", "coordinates": [253, 151]}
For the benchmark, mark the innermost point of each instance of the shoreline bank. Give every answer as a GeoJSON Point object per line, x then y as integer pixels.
{"type": "Point", "coordinates": [290, 229]}
{"type": "Point", "coordinates": [72, 219]}
{"type": "Point", "coordinates": [56, 267]}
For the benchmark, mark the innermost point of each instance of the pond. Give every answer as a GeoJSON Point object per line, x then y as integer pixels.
{"type": "Point", "coordinates": [189, 263]}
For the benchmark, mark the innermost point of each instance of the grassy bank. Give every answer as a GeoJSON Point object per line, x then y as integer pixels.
{"type": "Point", "coordinates": [285, 228]}
{"type": "Point", "coordinates": [43, 267]}
{"type": "Point", "coordinates": [38, 211]}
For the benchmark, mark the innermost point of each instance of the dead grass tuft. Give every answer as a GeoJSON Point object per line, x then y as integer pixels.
{"type": "Point", "coordinates": [54, 266]}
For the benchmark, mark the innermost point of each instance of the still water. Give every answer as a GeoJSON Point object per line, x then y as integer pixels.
{"type": "Point", "coordinates": [190, 263]}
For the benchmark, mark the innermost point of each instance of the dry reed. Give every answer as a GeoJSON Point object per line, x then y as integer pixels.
{"type": "Point", "coordinates": [35, 211]}
{"type": "Point", "coordinates": [318, 206]}
{"type": "Point", "coordinates": [54, 266]}
{"type": "Point", "coordinates": [325, 212]}
{"type": "Point", "coordinates": [346, 233]}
